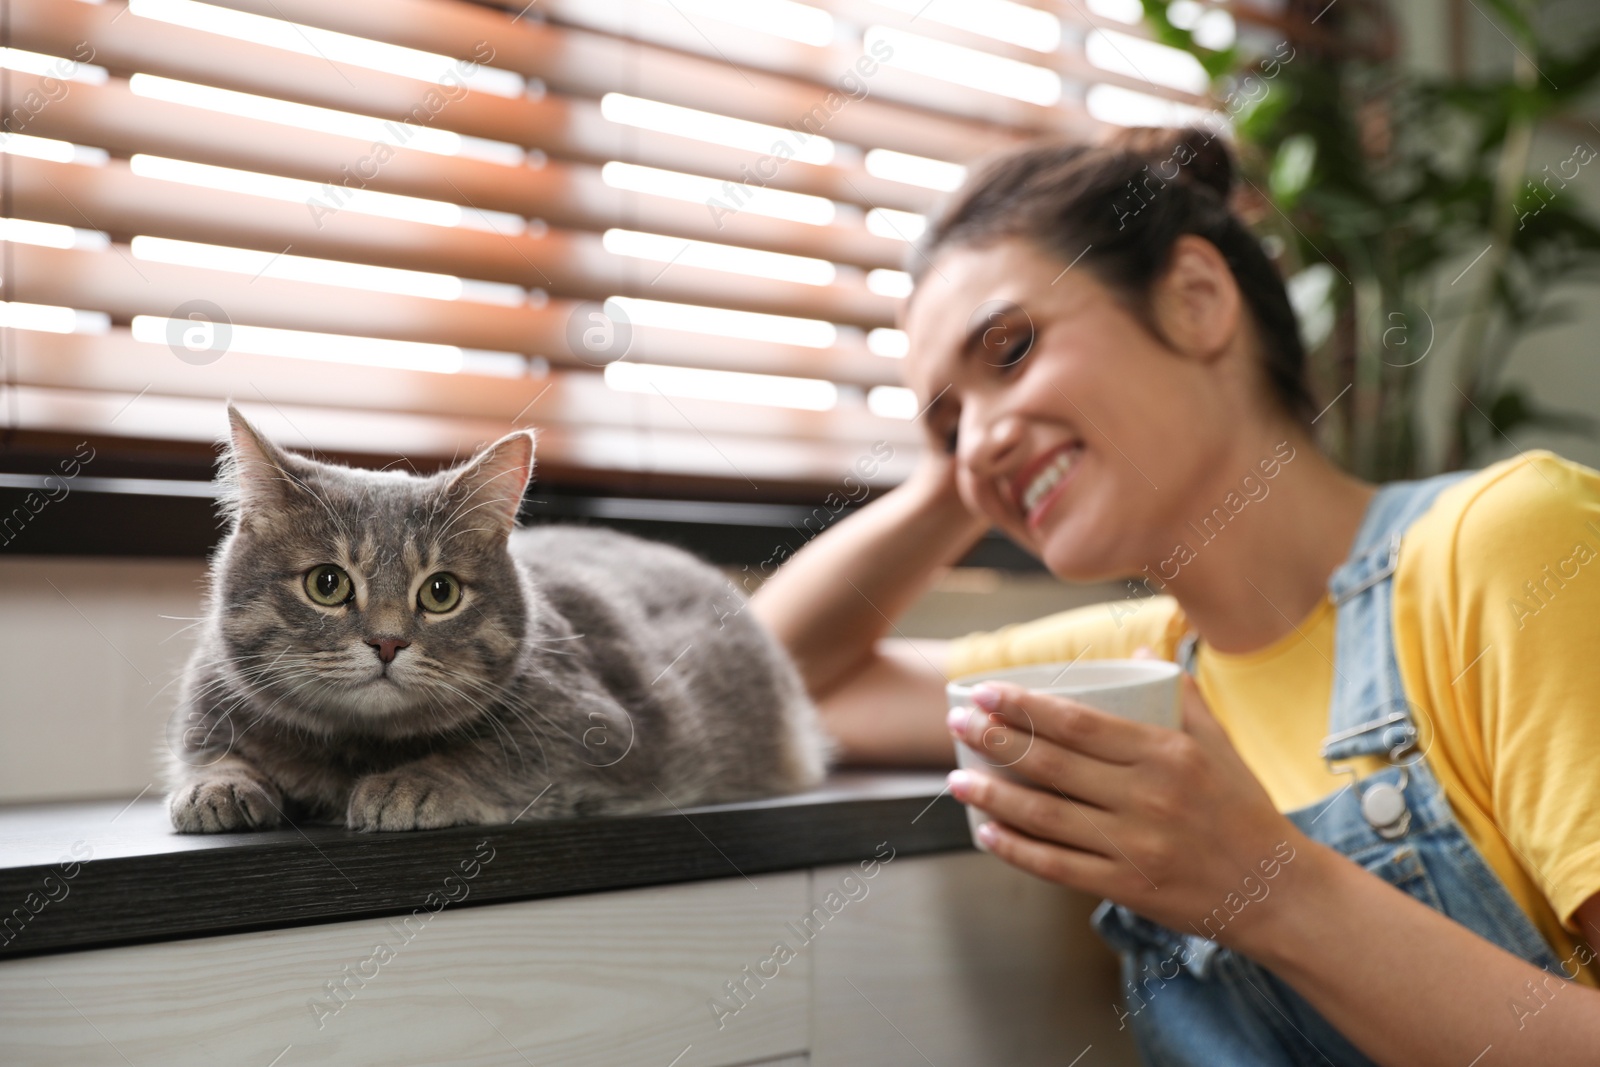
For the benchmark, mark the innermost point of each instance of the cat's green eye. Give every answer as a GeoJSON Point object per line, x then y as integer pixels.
{"type": "Point", "coordinates": [439, 593]}
{"type": "Point", "coordinates": [329, 586]}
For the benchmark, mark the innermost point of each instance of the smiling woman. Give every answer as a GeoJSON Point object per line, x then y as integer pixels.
{"type": "Point", "coordinates": [1103, 355]}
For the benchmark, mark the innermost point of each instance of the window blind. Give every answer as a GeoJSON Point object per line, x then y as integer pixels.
{"type": "Point", "coordinates": [667, 233]}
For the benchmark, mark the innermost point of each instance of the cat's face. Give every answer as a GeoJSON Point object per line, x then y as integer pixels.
{"type": "Point", "coordinates": [370, 602]}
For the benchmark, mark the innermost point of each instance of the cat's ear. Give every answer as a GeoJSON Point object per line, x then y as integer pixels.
{"type": "Point", "coordinates": [491, 485]}
{"type": "Point", "coordinates": [254, 472]}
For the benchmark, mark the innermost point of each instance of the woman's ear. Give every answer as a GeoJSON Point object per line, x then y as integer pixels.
{"type": "Point", "coordinates": [1196, 301]}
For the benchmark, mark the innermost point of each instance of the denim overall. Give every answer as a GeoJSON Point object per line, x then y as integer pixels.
{"type": "Point", "coordinates": [1192, 1001]}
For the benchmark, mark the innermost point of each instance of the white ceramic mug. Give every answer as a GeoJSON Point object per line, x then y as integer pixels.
{"type": "Point", "coordinates": [1144, 690]}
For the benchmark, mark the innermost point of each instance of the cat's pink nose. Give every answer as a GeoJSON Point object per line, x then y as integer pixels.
{"type": "Point", "coordinates": [387, 647]}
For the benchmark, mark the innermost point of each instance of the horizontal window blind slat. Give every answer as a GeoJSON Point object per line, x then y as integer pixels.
{"type": "Point", "coordinates": [1076, 15]}
{"type": "Point", "coordinates": [113, 281]}
{"type": "Point", "coordinates": [608, 457]}
{"type": "Point", "coordinates": [824, 66]}
{"type": "Point", "coordinates": [563, 262]}
{"type": "Point", "coordinates": [708, 38]}
{"type": "Point", "coordinates": [581, 63]}
{"type": "Point", "coordinates": [559, 126]}
{"type": "Point", "coordinates": [919, 20]}
{"type": "Point", "coordinates": [112, 117]}
{"type": "Point", "coordinates": [115, 362]}
{"type": "Point", "coordinates": [1244, 12]}
{"type": "Point", "coordinates": [1068, 60]}
{"type": "Point", "coordinates": [124, 43]}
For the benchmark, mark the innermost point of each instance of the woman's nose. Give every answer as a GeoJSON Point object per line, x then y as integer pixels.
{"type": "Point", "coordinates": [994, 442]}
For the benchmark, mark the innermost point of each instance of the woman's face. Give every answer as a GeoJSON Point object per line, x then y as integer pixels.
{"type": "Point", "coordinates": [1075, 430]}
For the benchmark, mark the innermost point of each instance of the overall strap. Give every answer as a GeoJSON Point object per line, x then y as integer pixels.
{"type": "Point", "coordinates": [1186, 648]}
{"type": "Point", "coordinates": [1368, 714]}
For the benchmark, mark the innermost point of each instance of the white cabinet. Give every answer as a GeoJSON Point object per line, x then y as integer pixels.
{"type": "Point", "coordinates": [602, 980]}
{"type": "Point", "coordinates": [959, 959]}
{"type": "Point", "coordinates": [949, 958]}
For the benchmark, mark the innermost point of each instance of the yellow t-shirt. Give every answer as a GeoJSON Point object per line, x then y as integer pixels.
{"type": "Point", "coordinates": [1496, 615]}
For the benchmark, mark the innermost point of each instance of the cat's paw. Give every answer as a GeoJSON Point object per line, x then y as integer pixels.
{"type": "Point", "coordinates": [408, 799]}
{"type": "Point", "coordinates": [229, 800]}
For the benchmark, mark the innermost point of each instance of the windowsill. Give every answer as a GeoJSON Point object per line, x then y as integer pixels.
{"type": "Point", "coordinates": [143, 882]}
{"type": "Point", "coordinates": [172, 518]}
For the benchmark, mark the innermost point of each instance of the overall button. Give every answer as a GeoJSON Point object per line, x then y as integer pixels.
{"type": "Point", "coordinates": [1384, 808]}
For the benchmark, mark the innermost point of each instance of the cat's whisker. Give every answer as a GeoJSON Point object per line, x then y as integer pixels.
{"type": "Point", "coordinates": [220, 680]}
{"type": "Point", "coordinates": [512, 706]}
{"type": "Point", "coordinates": [179, 630]}
{"type": "Point", "coordinates": [193, 622]}
{"type": "Point", "coordinates": [305, 487]}
{"type": "Point", "coordinates": [491, 718]}
{"type": "Point", "coordinates": [478, 488]}
{"type": "Point", "coordinates": [269, 708]}
{"type": "Point", "coordinates": [251, 682]}
{"type": "Point", "coordinates": [501, 695]}
{"type": "Point", "coordinates": [470, 530]}
{"type": "Point", "coordinates": [533, 732]}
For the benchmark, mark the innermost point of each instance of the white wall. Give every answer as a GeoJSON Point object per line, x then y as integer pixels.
{"type": "Point", "coordinates": [89, 650]}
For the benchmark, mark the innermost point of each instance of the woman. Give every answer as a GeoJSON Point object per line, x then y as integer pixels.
{"type": "Point", "coordinates": [1381, 848]}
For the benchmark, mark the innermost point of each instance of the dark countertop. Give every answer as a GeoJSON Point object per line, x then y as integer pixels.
{"type": "Point", "coordinates": [90, 875]}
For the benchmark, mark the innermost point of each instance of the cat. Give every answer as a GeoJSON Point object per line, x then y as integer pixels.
{"type": "Point", "coordinates": [392, 652]}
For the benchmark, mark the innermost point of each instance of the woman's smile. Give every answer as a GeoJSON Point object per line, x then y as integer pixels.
{"type": "Point", "coordinates": [1044, 480]}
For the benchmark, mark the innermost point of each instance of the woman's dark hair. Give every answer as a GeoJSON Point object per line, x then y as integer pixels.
{"type": "Point", "coordinates": [1121, 205]}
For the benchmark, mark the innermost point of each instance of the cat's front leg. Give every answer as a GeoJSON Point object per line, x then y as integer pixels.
{"type": "Point", "coordinates": [230, 794]}
{"type": "Point", "coordinates": [423, 795]}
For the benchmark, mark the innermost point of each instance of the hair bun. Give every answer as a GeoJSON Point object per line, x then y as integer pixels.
{"type": "Point", "coordinates": [1199, 156]}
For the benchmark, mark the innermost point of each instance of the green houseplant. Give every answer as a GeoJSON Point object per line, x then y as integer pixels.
{"type": "Point", "coordinates": [1411, 215]}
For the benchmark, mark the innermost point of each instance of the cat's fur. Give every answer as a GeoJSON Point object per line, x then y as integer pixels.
{"type": "Point", "coordinates": [584, 672]}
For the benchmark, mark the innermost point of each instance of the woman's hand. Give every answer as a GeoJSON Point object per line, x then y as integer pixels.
{"type": "Point", "coordinates": [1170, 823]}
{"type": "Point", "coordinates": [934, 479]}
{"type": "Point", "coordinates": [833, 601]}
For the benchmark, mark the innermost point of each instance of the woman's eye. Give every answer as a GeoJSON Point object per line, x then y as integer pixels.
{"type": "Point", "coordinates": [1007, 339]}
{"type": "Point", "coordinates": [329, 586]}
{"type": "Point", "coordinates": [1019, 348]}
{"type": "Point", "coordinates": [440, 593]}
{"type": "Point", "coordinates": [950, 441]}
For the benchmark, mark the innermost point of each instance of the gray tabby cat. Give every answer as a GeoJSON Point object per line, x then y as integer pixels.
{"type": "Point", "coordinates": [388, 651]}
